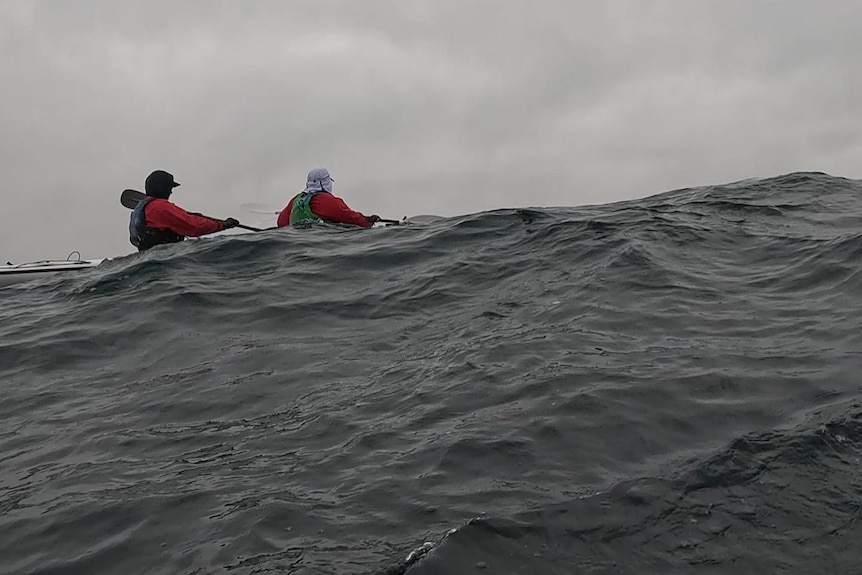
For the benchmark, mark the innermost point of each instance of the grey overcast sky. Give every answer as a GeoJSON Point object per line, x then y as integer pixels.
{"type": "Point", "coordinates": [415, 106]}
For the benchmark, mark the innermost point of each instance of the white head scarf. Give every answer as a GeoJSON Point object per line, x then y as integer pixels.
{"type": "Point", "coordinates": [319, 180]}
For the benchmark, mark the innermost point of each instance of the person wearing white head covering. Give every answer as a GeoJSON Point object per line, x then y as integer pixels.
{"type": "Point", "coordinates": [319, 180]}
{"type": "Point", "coordinates": [316, 203]}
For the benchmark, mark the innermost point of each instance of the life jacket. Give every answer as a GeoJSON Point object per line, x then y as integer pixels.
{"type": "Point", "coordinates": [143, 236]}
{"type": "Point", "coordinates": [300, 210]}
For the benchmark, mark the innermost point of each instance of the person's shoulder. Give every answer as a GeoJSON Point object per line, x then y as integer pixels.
{"type": "Point", "coordinates": [164, 205]}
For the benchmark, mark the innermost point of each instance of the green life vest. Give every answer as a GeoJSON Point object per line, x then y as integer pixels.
{"type": "Point", "coordinates": [300, 211]}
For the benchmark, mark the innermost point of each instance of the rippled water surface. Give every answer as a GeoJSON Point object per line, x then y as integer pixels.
{"type": "Point", "coordinates": [667, 385]}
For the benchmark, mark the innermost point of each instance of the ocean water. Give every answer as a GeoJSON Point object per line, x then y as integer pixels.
{"type": "Point", "coordinates": [667, 385]}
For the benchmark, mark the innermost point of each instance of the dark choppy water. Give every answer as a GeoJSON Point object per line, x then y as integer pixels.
{"type": "Point", "coordinates": [669, 385]}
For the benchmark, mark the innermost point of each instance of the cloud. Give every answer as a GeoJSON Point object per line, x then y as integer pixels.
{"type": "Point", "coordinates": [416, 107]}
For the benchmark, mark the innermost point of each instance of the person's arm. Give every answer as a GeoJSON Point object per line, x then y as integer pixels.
{"type": "Point", "coordinates": [284, 217]}
{"type": "Point", "coordinates": [168, 216]}
{"type": "Point", "coordinates": [333, 209]}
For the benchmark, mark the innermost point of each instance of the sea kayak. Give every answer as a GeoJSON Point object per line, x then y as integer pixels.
{"type": "Point", "coordinates": [17, 273]}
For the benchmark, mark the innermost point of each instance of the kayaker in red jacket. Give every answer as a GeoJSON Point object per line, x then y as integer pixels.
{"type": "Point", "coordinates": [316, 203]}
{"type": "Point", "coordinates": [156, 220]}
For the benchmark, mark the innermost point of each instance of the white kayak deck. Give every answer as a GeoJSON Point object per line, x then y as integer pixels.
{"type": "Point", "coordinates": [15, 273]}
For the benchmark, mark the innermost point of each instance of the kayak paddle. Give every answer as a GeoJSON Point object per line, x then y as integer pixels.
{"type": "Point", "coordinates": [259, 209]}
{"type": "Point", "coordinates": [130, 199]}
{"type": "Point", "coordinates": [268, 210]}
{"type": "Point", "coordinates": [424, 219]}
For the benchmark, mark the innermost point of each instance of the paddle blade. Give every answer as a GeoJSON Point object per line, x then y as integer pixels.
{"type": "Point", "coordinates": [423, 219]}
{"type": "Point", "coordinates": [259, 209]}
{"type": "Point", "coordinates": [130, 198]}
